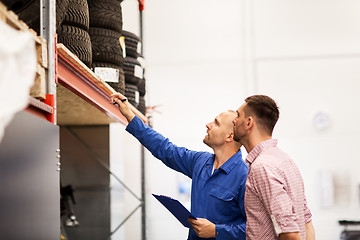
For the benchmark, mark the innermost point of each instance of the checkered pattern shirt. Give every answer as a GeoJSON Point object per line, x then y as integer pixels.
{"type": "Point", "coordinates": [274, 197]}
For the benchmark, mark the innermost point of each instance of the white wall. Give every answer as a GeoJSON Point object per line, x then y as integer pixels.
{"type": "Point", "coordinates": [206, 56]}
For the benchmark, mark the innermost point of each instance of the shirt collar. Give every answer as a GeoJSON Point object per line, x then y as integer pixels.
{"type": "Point", "coordinates": [250, 158]}
{"type": "Point", "coordinates": [211, 160]}
{"type": "Point", "coordinates": [230, 163]}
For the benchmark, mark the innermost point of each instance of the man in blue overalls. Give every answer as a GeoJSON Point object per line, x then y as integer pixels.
{"type": "Point", "coordinates": [218, 179]}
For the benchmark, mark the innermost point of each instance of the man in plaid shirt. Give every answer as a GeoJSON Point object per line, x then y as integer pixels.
{"type": "Point", "coordinates": [275, 202]}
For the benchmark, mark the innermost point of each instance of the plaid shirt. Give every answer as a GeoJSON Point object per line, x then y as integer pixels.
{"type": "Point", "coordinates": [274, 197]}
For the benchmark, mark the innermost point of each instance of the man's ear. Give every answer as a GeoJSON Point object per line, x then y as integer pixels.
{"type": "Point", "coordinates": [230, 137]}
{"type": "Point", "coordinates": [250, 122]}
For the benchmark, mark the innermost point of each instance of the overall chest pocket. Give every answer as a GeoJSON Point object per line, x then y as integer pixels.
{"type": "Point", "coordinates": [223, 205]}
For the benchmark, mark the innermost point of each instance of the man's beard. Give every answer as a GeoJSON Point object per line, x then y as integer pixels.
{"type": "Point", "coordinates": [206, 141]}
{"type": "Point", "coordinates": [236, 138]}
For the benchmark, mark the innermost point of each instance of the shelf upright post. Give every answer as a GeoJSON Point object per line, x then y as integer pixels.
{"type": "Point", "coordinates": [141, 8]}
{"type": "Point", "coordinates": [143, 208]}
{"type": "Point", "coordinates": [143, 176]}
{"type": "Point", "coordinates": [48, 31]}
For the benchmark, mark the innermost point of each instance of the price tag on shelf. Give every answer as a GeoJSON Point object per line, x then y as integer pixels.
{"type": "Point", "coordinates": [107, 74]}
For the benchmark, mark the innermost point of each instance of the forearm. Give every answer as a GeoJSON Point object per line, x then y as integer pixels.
{"type": "Point", "coordinates": [310, 231]}
{"type": "Point", "coordinates": [290, 236]}
{"type": "Point", "coordinates": [127, 112]}
{"type": "Point", "coordinates": [129, 116]}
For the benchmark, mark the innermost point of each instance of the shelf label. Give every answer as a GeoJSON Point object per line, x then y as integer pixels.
{"type": "Point", "coordinates": [137, 97]}
{"type": "Point", "coordinates": [138, 72]}
{"type": "Point", "coordinates": [107, 74]}
{"type": "Point", "coordinates": [139, 48]}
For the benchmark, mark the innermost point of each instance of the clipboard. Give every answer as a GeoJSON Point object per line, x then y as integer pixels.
{"type": "Point", "coordinates": [176, 208]}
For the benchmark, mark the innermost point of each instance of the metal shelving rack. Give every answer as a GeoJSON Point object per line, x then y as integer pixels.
{"type": "Point", "coordinates": [65, 74]}
{"type": "Point", "coordinates": [74, 77]}
{"type": "Point", "coordinates": [143, 182]}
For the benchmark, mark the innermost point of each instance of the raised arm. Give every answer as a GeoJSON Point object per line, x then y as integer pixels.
{"type": "Point", "coordinates": [177, 158]}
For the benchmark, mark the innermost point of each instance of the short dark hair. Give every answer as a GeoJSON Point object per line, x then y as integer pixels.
{"type": "Point", "coordinates": [265, 110]}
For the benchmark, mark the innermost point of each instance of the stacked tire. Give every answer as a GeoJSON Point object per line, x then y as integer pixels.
{"type": "Point", "coordinates": [73, 30]}
{"type": "Point", "coordinates": [141, 87]}
{"type": "Point", "coordinates": [105, 32]}
{"type": "Point", "coordinates": [72, 23]}
{"type": "Point", "coordinates": [92, 29]}
{"type": "Point", "coordinates": [134, 71]}
{"type": "Point", "coordinates": [29, 11]}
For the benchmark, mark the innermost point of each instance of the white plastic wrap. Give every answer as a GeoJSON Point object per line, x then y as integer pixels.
{"type": "Point", "coordinates": [17, 72]}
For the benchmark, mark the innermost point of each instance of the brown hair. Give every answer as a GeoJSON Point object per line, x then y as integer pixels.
{"type": "Point", "coordinates": [265, 110]}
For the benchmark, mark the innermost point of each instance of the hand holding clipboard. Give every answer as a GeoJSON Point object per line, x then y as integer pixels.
{"type": "Point", "coordinates": [176, 208]}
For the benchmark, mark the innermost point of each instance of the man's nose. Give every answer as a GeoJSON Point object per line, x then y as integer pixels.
{"type": "Point", "coordinates": [208, 125]}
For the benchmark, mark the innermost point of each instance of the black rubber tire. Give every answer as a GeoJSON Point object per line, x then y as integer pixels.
{"type": "Point", "coordinates": [78, 42]}
{"type": "Point", "coordinates": [132, 38]}
{"type": "Point", "coordinates": [133, 49]}
{"type": "Point", "coordinates": [105, 14]}
{"type": "Point", "coordinates": [18, 5]}
{"type": "Point", "coordinates": [29, 11]}
{"type": "Point", "coordinates": [132, 70]}
{"type": "Point", "coordinates": [142, 87]}
{"type": "Point", "coordinates": [142, 106]}
{"type": "Point", "coordinates": [131, 93]}
{"type": "Point", "coordinates": [77, 14]}
{"type": "Point", "coordinates": [106, 46]}
{"type": "Point", "coordinates": [119, 86]}
{"type": "Point", "coordinates": [61, 9]}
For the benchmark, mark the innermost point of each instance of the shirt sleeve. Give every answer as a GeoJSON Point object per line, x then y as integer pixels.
{"type": "Point", "coordinates": [270, 186]}
{"type": "Point", "coordinates": [307, 212]}
{"type": "Point", "coordinates": [230, 231]}
{"type": "Point", "coordinates": [177, 158]}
